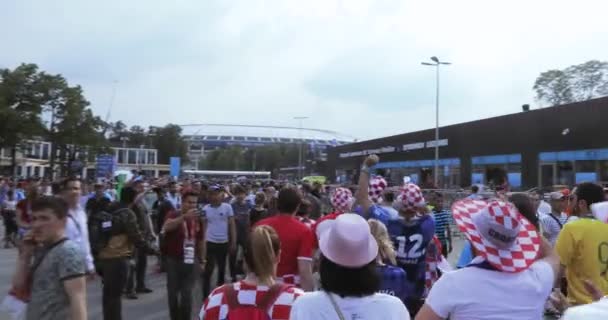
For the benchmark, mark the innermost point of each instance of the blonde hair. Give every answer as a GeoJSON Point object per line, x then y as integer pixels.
{"type": "Point", "coordinates": [385, 246]}
{"type": "Point", "coordinates": [262, 253]}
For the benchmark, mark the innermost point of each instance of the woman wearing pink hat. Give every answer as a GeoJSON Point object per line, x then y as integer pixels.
{"type": "Point", "coordinates": [511, 276]}
{"type": "Point", "coordinates": [348, 277]}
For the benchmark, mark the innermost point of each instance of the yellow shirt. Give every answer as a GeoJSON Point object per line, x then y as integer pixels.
{"type": "Point", "coordinates": [582, 247]}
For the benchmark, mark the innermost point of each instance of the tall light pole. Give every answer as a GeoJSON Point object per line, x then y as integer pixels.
{"type": "Point", "coordinates": [436, 63]}
{"type": "Point", "coordinates": [300, 120]}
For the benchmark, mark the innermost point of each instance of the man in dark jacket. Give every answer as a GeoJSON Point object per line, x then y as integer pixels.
{"type": "Point", "coordinates": [113, 258]}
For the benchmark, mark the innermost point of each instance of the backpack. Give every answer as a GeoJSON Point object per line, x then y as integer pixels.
{"type": "Point", "coordinates": [237, 311]}
{"type": "Point", "coordinates": [102, 226]}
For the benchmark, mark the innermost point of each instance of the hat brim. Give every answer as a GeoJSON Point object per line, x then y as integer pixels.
{"type": "Point", "coordinates": [370, 254]}
{"type": "Point", "coordinates": [517, 258]}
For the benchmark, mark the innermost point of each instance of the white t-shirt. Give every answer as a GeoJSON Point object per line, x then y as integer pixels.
{"type": "Point", "coordinates": [473, 293]}
{"type": "Point", "coordinates": [316, 305]}
{"type": "Point", "coordinates": [217, 222]}
{"type": "Point", "coordinates": [593, 311]}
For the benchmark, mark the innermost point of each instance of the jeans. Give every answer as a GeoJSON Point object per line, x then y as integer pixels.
{"type": "Point", "coordinates": [137, 274]}
{"type": "Point", "coordinates": [236, 266]}
{"type": "Point", "coordinates": [216, 253]}
{"type": "Point", "coordinates": [180, 280]}
{"type": "Point", "coordinates": [114, 275]}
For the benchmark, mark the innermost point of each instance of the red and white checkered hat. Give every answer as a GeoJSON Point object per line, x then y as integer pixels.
{"type": "Point", "coordinates": [342, 200]}
{"type": "Point", "coordinates": [376, 188]}
{"type": "Point", "coordinates": [410, 198]}
{"type": "Point", "coordinates": [501, 235]}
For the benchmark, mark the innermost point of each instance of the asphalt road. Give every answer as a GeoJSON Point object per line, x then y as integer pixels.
{"type": "Point", "coordinates": [152, 306]}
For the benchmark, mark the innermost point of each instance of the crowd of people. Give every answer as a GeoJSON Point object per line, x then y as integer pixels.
{"type": "Point", "coordinates": [305, 251]}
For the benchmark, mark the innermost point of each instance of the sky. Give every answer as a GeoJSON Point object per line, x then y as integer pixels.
{"type": "Point", "coordinates": [351, 66]}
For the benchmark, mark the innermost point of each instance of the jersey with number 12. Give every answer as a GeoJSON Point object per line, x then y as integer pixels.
{"type": "Point", "coordinates": [410, 240]}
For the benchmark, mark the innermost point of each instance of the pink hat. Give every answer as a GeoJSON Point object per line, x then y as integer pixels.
{"type": "Point", "coordinates": [501, 235]}
{"type": "Point", "coordinates": [600, 211]}
{"type": "Point", "coordinates": [376, 187]}
{"type": "Point", "coordinates": [342, 199]}
{"type": "Point", "coordinates": [410, 198]}
{"type": "Point", "coordinates": [349, 242]}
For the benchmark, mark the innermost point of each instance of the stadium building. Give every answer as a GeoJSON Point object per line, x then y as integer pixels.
{"type": "Point", "coordinates": [561, 145]}
{"type": "Point", "coordinates": [204, 138]}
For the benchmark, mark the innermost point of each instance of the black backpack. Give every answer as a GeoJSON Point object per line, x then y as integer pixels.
{"type": "Point", "coordinates": [102, 226]}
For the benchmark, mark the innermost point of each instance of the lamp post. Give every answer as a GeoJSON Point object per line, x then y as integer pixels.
{"type": "Point", "coordinates": [300, 120]}
{"type": "Point", "coordinates": [436, 63]}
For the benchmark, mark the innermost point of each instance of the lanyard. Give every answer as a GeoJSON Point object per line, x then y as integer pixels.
{"type": "Point", "coordinates": [189, 229]}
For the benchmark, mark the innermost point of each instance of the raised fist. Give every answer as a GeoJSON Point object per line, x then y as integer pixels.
{"type": "Point", "coordinates": [371, 160]}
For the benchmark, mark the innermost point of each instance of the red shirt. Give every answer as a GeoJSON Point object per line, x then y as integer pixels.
{"type": "Point", "coordinates": [297, 242]}
{"type": "Point", "coordinates": [25, 207]}
{"type": "Point", "coordinates": [174, 240]}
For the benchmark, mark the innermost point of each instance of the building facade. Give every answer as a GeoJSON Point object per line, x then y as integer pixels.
{"type": "Point", "coordinates": [561, 145]}
{"type": "Point", "coordinates": [34, 156]}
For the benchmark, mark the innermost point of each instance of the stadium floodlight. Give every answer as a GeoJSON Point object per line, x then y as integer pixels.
{"type": "Point", "coordinates": [436, 63]}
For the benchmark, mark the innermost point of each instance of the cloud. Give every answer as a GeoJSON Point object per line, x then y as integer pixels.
{"type": "Point", "coordinates": [351, 66]}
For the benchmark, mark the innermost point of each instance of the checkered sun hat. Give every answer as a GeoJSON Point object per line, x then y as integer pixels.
{"type": "Point", "coordinates": [342, 199]}
{"type": "Point", "coordinates": [502, 236]}
{"type": "Point", "coordinates": [376, 187]}
{"type": "Point", "coordinates": [410, 198]}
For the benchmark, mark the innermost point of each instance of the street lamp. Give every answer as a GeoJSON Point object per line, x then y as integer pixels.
{"type": "Point", "coordinates": [300, 120]}
{"type": "Point", "coordinates": [436, 63]}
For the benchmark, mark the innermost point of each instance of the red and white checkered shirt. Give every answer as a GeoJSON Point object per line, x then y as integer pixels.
{"type": "Point", "coordinates": [215, 306]}
{"type": "Point", "coordinates": [433, 257]}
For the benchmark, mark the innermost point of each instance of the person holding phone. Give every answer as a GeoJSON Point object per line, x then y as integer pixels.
{"type": "Point", "coordinates": [184, 249]}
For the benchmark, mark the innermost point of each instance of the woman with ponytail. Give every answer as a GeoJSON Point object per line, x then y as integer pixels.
{"type": "Point", "coordinates": [259, 294]}
{"type": "Point", "coordinates": [393, 279]}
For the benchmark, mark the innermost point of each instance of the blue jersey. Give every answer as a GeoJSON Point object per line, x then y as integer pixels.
{"type": "Point", "coordinates": [375, 212]}
{"type": "Point", "coordinates": [394, 282]}
{"type": "Point", "coordinates": [410, 240]}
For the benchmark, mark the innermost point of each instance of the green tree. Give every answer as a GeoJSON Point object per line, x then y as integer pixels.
{"type": "Point", "coordinates": [169, 142]}
{"type": "Point", "coordinates": [576, 83]}
{"type": "Point", "coordinates": [138, 136]}
{"type": "Point", "coordinates": [79, 133]}
{"type": "Point", "coordinates": [21, 102]}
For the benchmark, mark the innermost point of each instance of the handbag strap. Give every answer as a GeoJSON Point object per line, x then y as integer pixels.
{"type": "Point", "coordinates": [335, 305]}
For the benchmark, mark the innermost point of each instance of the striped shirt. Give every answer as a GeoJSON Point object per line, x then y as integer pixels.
{"type": "Point", "coordinates": [551, 226]}
{"type": "Point", "coordinates": [442, 223]}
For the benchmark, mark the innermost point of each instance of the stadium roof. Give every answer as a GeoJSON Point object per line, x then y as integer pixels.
{"type": "Point", "coordinates": [237, 132]}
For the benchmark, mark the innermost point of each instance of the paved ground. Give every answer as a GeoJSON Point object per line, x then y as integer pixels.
{"type": "Point", "coordinates": [151, 306]}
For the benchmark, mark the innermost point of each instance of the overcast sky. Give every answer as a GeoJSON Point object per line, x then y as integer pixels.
{"type": "Point", "coordinates": [352, 66]}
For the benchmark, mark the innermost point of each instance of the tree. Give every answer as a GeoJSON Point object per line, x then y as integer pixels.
{"type": "Point", "coordinates": [79, 133]}
{"type": "Point", "coordinates": [265, 158]}
{"type": "Point", "coordinates": [589, 79]}
{"type": "Point", "coordinates": [553, 87]}
{"type": "Point", "coordinates": [137, 136]}
{"type": "Point", "coordinates": [21, 103]}
{"type": "Point", "coordinates": [576, 83]}
{"type": "Point", "coordinates": [169, 142]}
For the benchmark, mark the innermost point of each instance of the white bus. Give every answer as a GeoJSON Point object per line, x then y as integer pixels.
{"type": "Point", "coordinates": [206, 174]}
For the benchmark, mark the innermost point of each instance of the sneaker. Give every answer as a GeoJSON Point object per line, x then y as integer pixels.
{"type": "Point", "coordinates": [131, 296]}
{"type": "Point", "coordinates": [144, 290]}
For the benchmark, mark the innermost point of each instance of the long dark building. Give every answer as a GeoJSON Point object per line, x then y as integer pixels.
{"type": "Point", "coordinates": [561, 145]}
